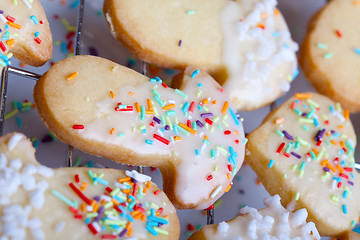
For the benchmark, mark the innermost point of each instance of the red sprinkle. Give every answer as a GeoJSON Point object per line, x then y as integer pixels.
{"type": "Point", "coordinates": [80, 194]}
{"type": "Point", "coordinates": [156, 192]}
{"type": "Point", "coordinates": [344, 176]}
{"type": "Point", "coordinates": [192, 106]}
{"type": "Point", "coordinates": [77, 178]}
{"type": "Point", "coordinates": [92, 228]}
{"type": "Point", "coordinates": [10, 19]}
{"type": "Point", "coordinates": [76, 126]}
{"type": "Point", "coordinates": [286, 154]}
{"type": "Point", "coordinates": [108, 236]}
{"type": "Point", "coordinates": [210, 208]}
{"type": "Point", "coordinates": [108, 189]}
{"type": "Point", "coordinates": [161, 139]}
{"type": "Point", "coordinates": [70, 35]}
{"type": "Point", "coordinates": [227, 132]}
{"type": "Point", "coordinates": [135, 189]}
{"type": "Point", "coordinates": [209, 177]}
{"type": "Point", "coordinates": [164, 85]}
{"type": "Point", "coordinates": [229, 167]}
{"type": "Point", "coordinates": [348, 169]}
{"type": "Point", "coordinates": [38, 40]}
{"type": "Point", "coordinates": [74, 210]}
{"type": "Point", "coordinates": [117, 209]}
{"type": "Point", "coordinates": [208, 121]}
{"type": "Point", "coordinates": [339, 184]}
{"type": "Point", "coordinates": [152, 124]}
{"type": "Point", "coordinates": [2, 46]}
{"type": "Point", "coordinates": [188, 123]}
{"type": "Point", "coordinates": [78, 216]}
{"type": "Point", "coordinates": [318, 143]}
{"type": "Point", "coordinates": [280, 147]}
{"type": "Point", "coordinates": [338, 33]}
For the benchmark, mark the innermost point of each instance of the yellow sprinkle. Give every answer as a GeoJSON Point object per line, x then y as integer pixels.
{"type": "Point", "coordinates": [225, 107]}
{"type": "Point", "coordinates": [72, 76]}
{"type": "Point", "coordinates": [112, 94]}
{"type": "Point", "coordinates": [167, 107]}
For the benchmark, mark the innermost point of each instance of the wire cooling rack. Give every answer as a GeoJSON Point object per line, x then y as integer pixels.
{"type": "Point", "coordinates": [10, 70]}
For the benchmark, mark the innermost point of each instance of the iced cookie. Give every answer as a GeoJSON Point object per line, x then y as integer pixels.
{"type": "Point", "coordinates": [191, 133]}
{"type": "Point", "coordinates": [37, 202]}
{"type": "Point", "coordinates": [244, 44]}
{"type": "Point", "coordinates": [272, 222]}
{"type": "Point", "coordinates": [330, 53]}
{"type": "Point", "coordinates": [304, 151]}
{"type": "Point", "coordinates": [24, 33]}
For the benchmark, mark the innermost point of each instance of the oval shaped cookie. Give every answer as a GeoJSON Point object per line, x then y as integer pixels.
{"type": "Point", "coordinates": [191, 133]}
{"type": "Point", "coordinates": [25, 33]}
{"type": "Point", "coordinates": [272, 222]}
{"type": "Point", "coordinates": [37, 202]}
{"type": "Point", "coordinates": [245, 45]}
{"type": "Point", "coordinates": [330, 53]}
{"type": "Point", "coordinates": [304, 151]}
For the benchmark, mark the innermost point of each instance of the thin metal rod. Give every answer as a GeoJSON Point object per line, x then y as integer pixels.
{"type": "Point", "coordinates": [210, 216]}
{"type": "Point", "coordinates": [24, 73]}
{"type": "Point", "coordinates": [76, 52]}
{"type": "Point", "coordinates": [3, 95]}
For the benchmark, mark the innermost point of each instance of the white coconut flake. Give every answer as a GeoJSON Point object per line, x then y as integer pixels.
{"type": "Point", "coordinates": [14, 140]}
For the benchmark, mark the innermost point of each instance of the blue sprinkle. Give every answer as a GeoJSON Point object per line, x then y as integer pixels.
{"type": "Point", "coordinates": [159, 220]}
{"type": "Point", "coordinates": [100, 180]}
{"type": "Point", "coordinates": [296, 73]}
{"type": "Point", "coordinates": [200, 84]}
{"type": "Point", "coordinates": [149, 142]}
{"type": "Point", "coordinates": [345, 194]}
{"type": "Point", "coordinates": [19, 122]}
{"type": "Point", "coordinates": [34, 19]}
{"type": "Point", "coordinates": [234, 117]}
{"type": "Point", "coordinates": [344, 208]}
{"type": "Point", "coordinates": [332, 108]}
{"type": "Point", "coordinates": [36, 34]}
{"type": "Point", "coordinates": [130, 218]}
{"type": "Point", "coordinates": [158, 79]}
{"type": "Point", "coordinates": [196, 72]}
{"type": "Point", "coordinates": [87, 221]}
{"type": "Point", "coordinates": [357, 51]}
{"type": "Point", "coordinates": [197, 152]}
{"type": "Point", "coordinates": [316, 123]}
{"type": "Point", "coordinates": [276, 34]}
{"type": "Point", "coordinates": [63, 47]}
{"type": "Point", "coordinates": [90, 164]}
{"type": "Point", "coordinates": [152, 231]}
{"type": "Point", "coordinates": [186, 107]}
{"type": "Point", "coordinates": [271, 163]}
{"type": "Point", "coordinates": [75, 4]}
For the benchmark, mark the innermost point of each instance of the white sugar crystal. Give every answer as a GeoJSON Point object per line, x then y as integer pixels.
{"type": "Point", "coordinates": [138, 176]}
{"type": "Point", "coordinates": [299, 217]}
{"type": "Point", "coordinates": [223, 227]}
{"type": "Point", "coordinates": [45, 171]}
{"type": "Point", "coordinates": [16, 164]}
{"type": "Point", "coordinates": [251, 229]}
{"type": "Point", "coordinates": [34, 223]}
{"type": "Point", "coordinates": [28, 182]}
{"type": "Point", "coordinates": [30, 169]}
{"type": "Point", "coordinates": [37, 199]}
{"type": "Point", "coordinates": [264, 236]}
{"type": "Point", "coordinates": [38, 234]}
{"type": "Point", "coordinates": [14, 140]}
{"type": "Point", "coordinates": [4, 201]}
{"type": "Point", "coordinates": [3, 160]}
{"type": "Point", "coordinates": [42, 185]}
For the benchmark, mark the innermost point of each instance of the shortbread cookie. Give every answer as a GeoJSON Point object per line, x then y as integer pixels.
{"type": "Point", "coordinates": [350, 235]}
{"type": "Point", "coordinates": [272, 222]}
{"type": "Point", "coordinates": [192, 133]}
{"type": "Point", "coordinates": [37, 202]}
{"type": "Point", "coordinates": [244, 44]}
{"type": "Point", "coordinates": [330, 53]}
{"type": "Point", "coordinates": [25, 33]}
{"type": "Point", "coordinates": [304, 151]}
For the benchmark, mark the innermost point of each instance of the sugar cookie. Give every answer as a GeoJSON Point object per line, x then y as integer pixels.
{"type": "Point", "coordinates": [37, 202]}
{"type": "Point", "coordinates": [244, 44]}
{"type": "Point", "coordinates": [191, 133]}
{"type": "Point", "coordinates": [25, 33]}
{"type": "Point", "coordinates": [304, 151]}
{"type": "Point", "coordinates": [330, 53]}
{"type": "Point", "coordinates": [272, 222]}
{"type": "Point", "coordinates": [350, 235]}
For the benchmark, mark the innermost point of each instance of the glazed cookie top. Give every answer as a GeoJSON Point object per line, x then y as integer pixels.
{"type": "Point", "coordinates": [304, 151]}
{"type": "Point", "coordinates": [244, 44]}
{"type": "Point", "coordinates": [191, 133]}
{"type": "Point", "coordinates": [37, 202]}
{"type": "Point", "coordinates": [272, 222]}
{"type": "Point", "coordinates": [330, 53]}
{"type": "Point", "coordinates": [25, 33]}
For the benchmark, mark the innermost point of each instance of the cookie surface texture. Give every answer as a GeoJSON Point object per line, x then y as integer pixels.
{"type": "Point", "coordinates": [244, 44]}
{"type": "Point", "coordinates": [37, 202]}
{"type": "Point", "coordinates": [330, 55]}
{"type": "Point", "coordinates": [25, 33]}
{"type": "Point", "coordinates": [272, 222]}
{"type": "Point", "coordinates": [304, 151]}
{"type": "Point", "coordinates": [192, 133]}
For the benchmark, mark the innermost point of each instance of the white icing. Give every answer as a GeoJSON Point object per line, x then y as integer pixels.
{"type": "Point", "coordinates": [138, 176]}
{"type": "Point", "coordinates": [271, 222]}
{"type": "Point", "coordinates": [256, 58]}
{"type": "Point", "coordinates": [192, 184]}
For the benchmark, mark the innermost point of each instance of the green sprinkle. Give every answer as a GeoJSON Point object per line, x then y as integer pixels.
{"type": "Point", "coordinates": [216, 168]}
{"type": "Point", "coordinates": [161, 231]}
{"type": "Point", "coordinates": [302, 166]}
{"type": "Point", "coordinates": [293, 167]}
{"type": "Point", "coordinates": [305, 120]}
{"type": "Point", "coordinates": [334, 198]}
{"type": "Point", "coordinates": [64, 199]}
{"type": "Point", "coordinates": [312, 103]}
{"type": "Point", "coordinates": [156, 93]}
{"type": "Point", "coordinates": [322, 46]}
{"type": "Point", "coordinates": [305, 127]}
{"type": "Point", "coordinates": [284, 176]}
{"type": "Point", "coordinates": [77, 162]}
{"type": "Point", "coordinates": [297, 111]}
{"type": "Point", "coordinates": [142, 113]}
{"type": "Point", "coordinates": [297, 196]}
{"type": "Point", "coordinates": [11, 114]}
{"type": "Point", "coordinates": [190, 12]}
{"type": "Point", "coordinates": [170, 113]}
{"type": "Point", "coordinates": [302, 142]}
{"type": "Point", "coordinates": [328, 55]}
{"type": "Point", "coordinates": [278, 132]}
{"type": "Point", "coordinates": [91, 215]}
{"type": "Point", "coordinates": [181, 93]}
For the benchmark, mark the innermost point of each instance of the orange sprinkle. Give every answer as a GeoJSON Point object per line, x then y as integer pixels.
{"type": "Point", "coordinates": [206, 137]}
{"type": "Point", "coordinates": [205, 101]}
{"type": "Point", "coordinates": [93, 202]}
{"type": "Point", "coordinates": [144, 190]}
{"type": "Point", "coordinates": [334, 142]}
{"type": "Point", "coordinates": [150, 107]}
{"type": "Point", "coordinates": [260, 25]}
{"type": "Point", "coordinates": [126, 191]}
{"type": "Point", "coordinates": [124, 179]}
{"type": "Point", "coordinates": [131, 94]}
{"type": "Point", "coordinates": [129, 232]}
{"type": "Point", "coordinates": [329, 166]}
{"type": "Point", "coordinates": [157, 214]}
{"type": "Point", "coordinates": [258, 181]}
{"type": "Point", "coordinates": [342, 144]}
{"type": "Point", "coordinates": [341, 170]}
{"type": "Point", "coordinates": [346, 114]}
{"type": "Point", "coordinates": [228, 176]}
{"type": "Point", "coordinates": [276, 12]}
{"type": "Point", "coordinates": [137, 216]}
{"type": "Point", "coordinates": [303, 95]}
{"type": "Point", "coordinates": [228, 188]}
{"type": "Point", "coordinates": [82, 188]}
{"type": "Point", "coordinates": [315, 151]}
{"type": "Point", "coordinates": [112, 94]}
{"type": "Point", "coordinates": [177, 138]}
{"type": "Point", "coordinates": [85, 184]}
{"type": "Point", "coordinates": [356, 2]}
{"type": "Point", "coordinates": [148, 184]}
{"type": "Point", "coordinates": [184, 126]}
{"type": "Point", "coordinates": [112, 131]}
{"type": "Point", "coordinates": [10, 42]}
{"type": "Point", "coordinates": [83, 207]}
{"type": "Point", "coordinates": [135, 212]}
{"type": "Point", "coordinates": [103, 202]}
{"type": "Point", "coordinates": [214, 102]}
{"type": "Point", "coordinates": [225, 107]}
{"type": "Point", "coordinates": [341, 126]}
{"type": "Point", "coordinates": [279, 120]}
{"type": "Point", "coordinates": [324, 162]}
{"type": "Point", "coordinates": [72, 76]}
{"type": "Point", "coordinates": [236, 132]}
{"type": "Point", "coordinates": [23, 64]}
{"type": "Point", "coordinates": [95, 207]}
{"type": "Point", "coordinates": [167, 107]}
{"type": "Point", "coordinates": [143, 217]}
{"type": "Point", "coordinates": [137, 107]}
{"type": "Point", "coordinates": [14, 25]}
{"type": "Point", "coordinates": [149, 112]}
{"type": "Point", "coordinates": [116, 202]}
